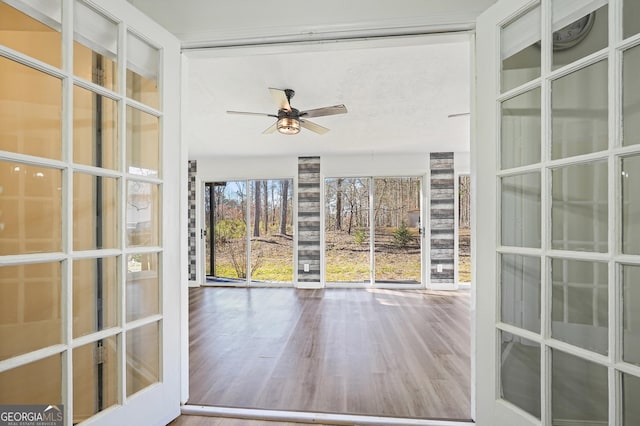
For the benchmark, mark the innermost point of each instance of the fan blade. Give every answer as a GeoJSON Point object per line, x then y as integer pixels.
{"type": "Point", "coordinates": [270, 129]}
{"type": "Point", "coordinates": [251, 113]}
{"type": "Point", "coordinates": [314, 127]}
{"type": "Point", "coordinates": [280, 97]}
{"type": "Point", "coordinates": [321, 112]}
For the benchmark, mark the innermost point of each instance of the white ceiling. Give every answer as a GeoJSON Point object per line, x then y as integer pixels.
{"type": "Point", "coordinates": [398, 90]}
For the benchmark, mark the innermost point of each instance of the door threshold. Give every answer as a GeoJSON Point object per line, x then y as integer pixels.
{"type": "Point", "coordinates": [310, 417]}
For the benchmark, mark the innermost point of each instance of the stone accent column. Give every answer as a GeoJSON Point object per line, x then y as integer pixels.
{"type": "Point", "coordinates": [193, 232]}
{"type": "Point", "coordinates": [309, 219]}
{"type": "Point", "coordinates": [442, 218]}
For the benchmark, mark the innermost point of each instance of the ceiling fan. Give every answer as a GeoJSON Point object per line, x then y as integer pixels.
{"type": "Point", "coordinates": [290, 120]}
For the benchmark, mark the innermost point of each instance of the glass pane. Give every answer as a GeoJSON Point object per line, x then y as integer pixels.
{"type": "Point", "coordinates": [464, 229]}
{"type": "Point", "coordinates": [631, 314]}
{"type": "Point", "coordinates": [30, 314]}
{"type": "Point", "coordinates": [520, 50]}
{"type": "Point", "coordinates": [520, 291]}
{"type": "Point", "coordinates": [143, 143]}
{"type": "Point", "coordinates": [143, 286]}
{"type": "Point", "coordinates": [520, 201]}
{"type": "Point", "coordinates": [272, 236]}
{"type": "Point", "coordinates": [346, 232]}
{"type": "Point", "coordinates": [30, 111]}
{"type": "Point", "coordinates": [96, 46]}
{"type": "Point", "coordinates": [37, 36]}
{"type": "Point", "coordinates": [95, 378]}
{"type": "Point", "coordinates": [30, 209]}
{"type": "Point", "coordinates": [396, 213]}
{"type": "Point", "coordinates": [578, 390]}
{"type": "Point", "coordinates": [579, 115]}
{"type": "Point", "coordinates": [520, 372]}
{"type": "Point", "coordinates": [143, 62]}
{"type": "Point", "coordinates": [631, 95]}
{"type": "Point", "coordinates": [95, 287]}
{"type": "Point", "coordinates": [39, 382]}
{"type": "Point", "coordinates": [630, 21]}
{"type": "Point", "coordinates": [579, 309]}
{"type": "Point", "coordinates": [143, 227]}
{"type": "Point", "coordinates": [631, 205]}
{"type": "Point", "coordinates": [631, 392]}
{"type": "Point", "coordinates": [95, 212]}
{"type": "Point", "coordinates": [230, 230]}
{"type": "Point", "coordinates": [579, 207]}
{"type": "Point", "coordinates": [521, 130]}
{"type": "Point", "coordinates": [577, 32]}
{"type": "Point", "coordinates": [143, 360]}
{"type": "Point", "coordinates": [208, 209]}
{"type": "Point", "coordinates": [95, 129]}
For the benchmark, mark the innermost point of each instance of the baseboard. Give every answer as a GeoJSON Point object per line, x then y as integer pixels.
{"type": "Point", "coordinates": [464, 286]}
{"type": "Point", "coordinates": [194, 284]}
{"type": "Point", "coordinates": [442, 287]}
{"type": "Point", "coordinates": [308, 286]}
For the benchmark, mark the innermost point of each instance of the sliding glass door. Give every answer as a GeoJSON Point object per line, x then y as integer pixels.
{"type": "Point", "coordinates": [387, 208]}
{"type": "Point", "coordinates": [249, 232]}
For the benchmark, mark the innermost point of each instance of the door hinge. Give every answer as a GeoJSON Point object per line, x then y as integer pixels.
{"type": "Point", "coordinates": [100, 355]}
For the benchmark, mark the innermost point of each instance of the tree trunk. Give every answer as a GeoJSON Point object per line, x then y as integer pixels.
{"type": "Point", "coordinates": [339, 205]}
{"type": "Point", "coordinates": [284, 193]}
{"type": "Point", "coordinates": [265, 189]}
{"type": "Point", "coordinates": [464, 205]}
{"type": "Point", "coordinates": [256, 213]}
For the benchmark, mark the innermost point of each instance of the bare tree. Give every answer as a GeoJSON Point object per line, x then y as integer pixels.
{"type": "Point", "coordinates": [339, 204]}
{"type": "Point", "coordinates": [284, 193]}
{"type": "Point", "coordinates": [464, 206]}
{"type": "Point", "coordinates": [256, 213]}
{"type": "Point", "coordinates": [265, 190]}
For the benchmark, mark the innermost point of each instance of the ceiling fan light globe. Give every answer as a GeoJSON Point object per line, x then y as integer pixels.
{"type": "Point", "coordinates": [288, 126]}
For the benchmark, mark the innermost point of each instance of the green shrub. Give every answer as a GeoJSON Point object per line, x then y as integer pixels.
{"type": "Point", "coordinates": [230, 229]}
{"type": "Point", "coordinates": [402, 236]}
{"type": "Point", "coordinates": [359, 236]}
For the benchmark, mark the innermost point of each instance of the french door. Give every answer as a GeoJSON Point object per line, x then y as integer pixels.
{"type": "Point", "coordinates": [90, 254]}
{"type": "Point", "coordinates": [557, 253]}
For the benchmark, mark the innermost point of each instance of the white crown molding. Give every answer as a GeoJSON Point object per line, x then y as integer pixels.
{"type": "Point", "coordinates": [434, 23]}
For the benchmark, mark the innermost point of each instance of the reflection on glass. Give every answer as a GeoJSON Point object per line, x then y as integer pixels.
{"type": "Point", "coordinates": [30, 209]}
{"type": "Point", "coordinates": [30, 111]}
{"type": "Point", "coordinates": [520, 210]}
{"type": "Point", "coordinates": [143, 286]}
{"type": "Point", "coordinates": [631, 396]}
{"type": "Point", "coordinates": [631, 205]}
{"type": "Point", "coordinates": [580, 309]}
{"type": "Point", "coordinates": [95, 212]}
{"type": "Point", "coordinates": [520, 291]}
{"type": "Point", "coordinates": [630, 21]}
{"type": "Point", "coordinates": [521, 130]}
{"type": "Point", "coordinates": [95, 129]}
{"type": "Point", "coordinates": [30, 314]}
{"type": "Point", "coordinates": [39, 382]}
{"type": "Point", "coordinates": [579, 116]}
{"type": "Point", "coordinates": [579, 390]}
{"type": "Point", "coordinates": [143, 228]}
{"type": "Point", "coordinates": [143, 360]}
{"type": "Point", "coordinates": [95, 379]}
{"type": "Point", "coordinates": [143, 143]}
{"type": "Point", "coordinates": [228, 220]}
{"type": "Point", "coordinates": [631, 95]}
{"type": "Point", "coordinates": [520, 372]}
{"type": "Point", "coordinates": [520, 50]}
{"type": "Point", "coordinates": [94, 295]}
{"type": "Point", "coordinates": [631, 314]}
{"type": "Point", "coordinates": [272, 231]}
{"type": "Point", "coordinates": [346, 230]}
{"type": "Point", "coordinates": [577, 32]}
{"type": "Point", "coordinates": [396, 213]}
{"type": "Point", "coordinates": [143, 63]}
{"type": "Point", "coordinates": [96, 46]}
{"type": "Point", "coordinates": [579, 207]}
{"type": "Point", "coordinates": [38, 37]}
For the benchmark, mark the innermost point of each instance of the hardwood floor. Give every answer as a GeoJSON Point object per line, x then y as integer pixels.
{"type": "Point", "coordinates": [220, 421]}
{"type": "Point", "coordinates": [401, 353]}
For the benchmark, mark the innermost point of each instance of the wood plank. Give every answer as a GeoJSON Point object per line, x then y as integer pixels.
{"type": "Point", "coordinates": [401, 353]}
